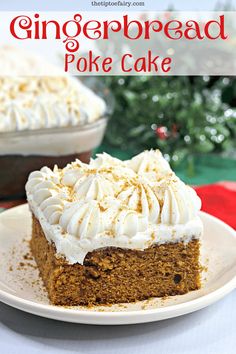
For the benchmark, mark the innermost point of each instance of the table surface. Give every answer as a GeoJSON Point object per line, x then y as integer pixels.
{"type": "Point", "coordinates": [208, 331]}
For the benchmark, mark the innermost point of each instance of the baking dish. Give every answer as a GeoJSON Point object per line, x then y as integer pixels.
{"type": "Point", "coordinates": [24, 151]}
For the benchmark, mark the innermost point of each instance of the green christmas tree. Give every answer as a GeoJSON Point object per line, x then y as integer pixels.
{"type": "Point", "coordinates": [182, 116]}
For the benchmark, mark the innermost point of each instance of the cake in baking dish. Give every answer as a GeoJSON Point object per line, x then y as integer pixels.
{"type": "Point", "coordinates": [114, 231]}
{"type": "Point", "coordinates": [44, 120]}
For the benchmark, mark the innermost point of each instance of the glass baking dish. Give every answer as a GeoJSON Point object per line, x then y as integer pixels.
{"type": "Point", "coordinates": [24, 151]}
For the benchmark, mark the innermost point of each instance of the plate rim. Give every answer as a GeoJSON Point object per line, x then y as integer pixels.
{"type": "Point", "coordinates": [89, 316]}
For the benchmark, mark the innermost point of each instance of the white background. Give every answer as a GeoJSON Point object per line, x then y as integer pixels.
{"type": "Point", "coordinates": [67, 5]}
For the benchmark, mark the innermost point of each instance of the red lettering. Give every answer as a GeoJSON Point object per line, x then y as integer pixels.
{"type": "Point", "coordinates": [77, 29]}
{"type": "Point", "coordinates": [113, 28]}
{"type": "Point", "coordinates": [177, 26]}
{"type": "Point", "coordinates": [93, 62]}
{"type": "Point", "coordinates": [151, 25]}
{"type": "Point", "coordinates": [25, 23]}
{"type": "Point", "coordinates": [221, 26]}
{"type": "Point", "coordinates": [81, 65]}
{"type": "Point", "coordinates": [69, 58]}
{"type": "Point", "coordinates": [94, 28]}
{"type": "Point", "coordinates": [148, 63]}
{"type": "Point", "coordinates": [88, 63]}
{"type": "Point", "coordinates": [127, 25]}
{"type": "Point", "coordinates": [123, 66]}
{"type": "Point", "coordinates": [56, 26]}
{"type": "Point", "coordinates": [165, 65]}
{"type": "Point", "coordinates": [106, 65]}
{"type": "Point", "coordinates": [140, 65]}
{"type": "Point", "coordinates": [37, 28]}
{"type": "Point", "coordinates": [152, 62]}
{"type": "Point", "coordinates": [193, 26]}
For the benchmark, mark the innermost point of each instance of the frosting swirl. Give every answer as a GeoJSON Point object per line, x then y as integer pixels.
{"type": "Point", "coordinates": [181, 204]}
{"type": "Point", "coordinates": [44, 187]}
{"type": "Point", "coordinates": [140, 197]}
{"type": "Point", "coordinates": [150, 164]}
{"type": "Point", "coordinates": [105, 160]}
{"type": "Point", "coordinates": [83, 219]}
{"type": "Point", "coordinates": [28, 103]}
{"type": "Point", "coordinates": [131, 204]}
{"type": "Point", "coordinates": [129, 223]}
{"type": "Point", "coordinates": [93, 187]}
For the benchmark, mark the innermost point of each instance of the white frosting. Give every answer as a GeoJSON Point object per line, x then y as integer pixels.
{"type": "Point", "coordinates": [105, 160]}
{"type": "Point", "coordinates": [150, 164]}
{"type": "Point", "coordinates": [141, 196]}
{"type": "Point", "coordinates": [29, 103]}
{"type": "Point", "coordinates": [181, 204]}
{"type": "Point", "coordinates": [113, 203]}
{"type": "Point", "coordinates": [93, 187]}
{"type": "Point", "coordinates": [82, 219]}
{"type": "Point", "coordinates": [33, 108]}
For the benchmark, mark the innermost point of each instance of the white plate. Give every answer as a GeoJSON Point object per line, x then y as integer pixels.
{"type": "Point", "coordinates": [21, 287]}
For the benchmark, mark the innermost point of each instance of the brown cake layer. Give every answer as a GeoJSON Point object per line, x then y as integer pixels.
{"type": "Point", "coordinates": [115, 275]}
{"type": "Point", "coordinates": [18, 167]}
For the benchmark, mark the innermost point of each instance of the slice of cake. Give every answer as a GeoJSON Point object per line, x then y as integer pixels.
{"type": "Point", "coordinates": [114, 231]}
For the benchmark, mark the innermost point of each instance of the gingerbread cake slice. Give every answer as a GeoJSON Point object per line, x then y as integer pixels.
{"type": "Point", "coordinates": [114, 231]}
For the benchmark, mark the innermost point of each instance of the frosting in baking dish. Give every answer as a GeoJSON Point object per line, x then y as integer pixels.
{"type": "Point", "coordinates": [28, 103]}
{"type": "Point", "coordinates": [130, 204]}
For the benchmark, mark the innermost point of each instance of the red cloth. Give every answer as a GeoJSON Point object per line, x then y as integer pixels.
{"type": "Point", "coordinates": [11, 203]}
{"type": "Point", "coordinates": [219, 200]}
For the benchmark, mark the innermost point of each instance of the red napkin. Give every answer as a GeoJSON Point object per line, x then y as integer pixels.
{"type": "Point", "coordinates": [219, 200]}
{"type": "Point", "coordinates": [11, 203]}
